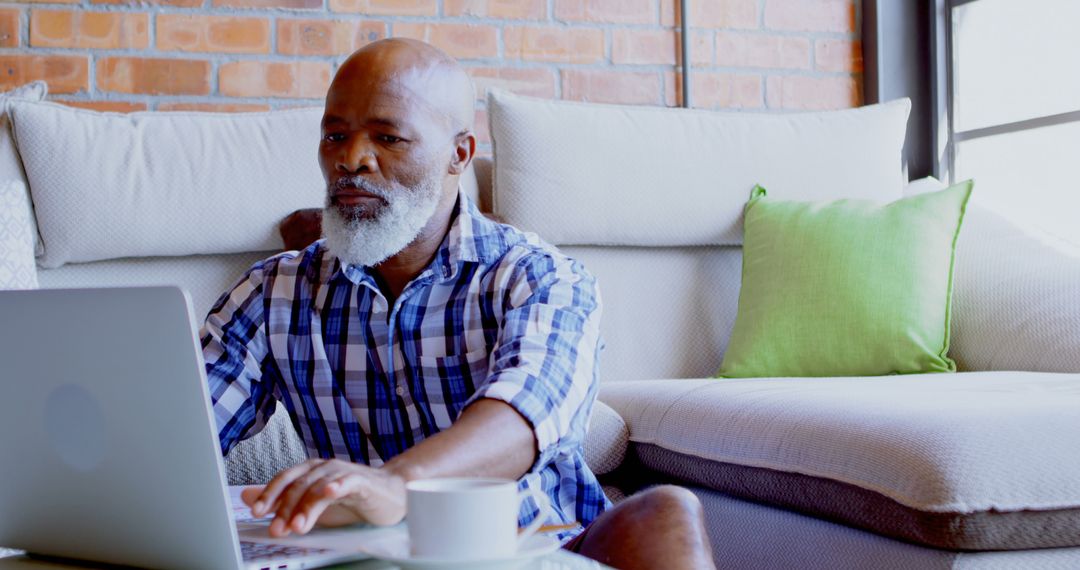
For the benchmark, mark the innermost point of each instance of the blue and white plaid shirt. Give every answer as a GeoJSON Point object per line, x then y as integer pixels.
{"type": "Point", "coordinates": [497, 314]}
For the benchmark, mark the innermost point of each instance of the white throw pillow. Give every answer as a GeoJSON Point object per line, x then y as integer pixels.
{"type": "Point", "coordinates": [10, 166]}
{"type": "Point", "coordinates": [586, 174]}
{"type": "Point", "coordinates": [17, 269]}
{"type": "Point", "coordinates": [107, 185]}
{"type": "Point", "coordinates": [1014, 299]}
{"type": "Point", "coordinates": [1014, 296]}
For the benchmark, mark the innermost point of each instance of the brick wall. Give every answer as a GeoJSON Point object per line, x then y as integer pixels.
{"type": "Point", "coordinates": [234, 55]}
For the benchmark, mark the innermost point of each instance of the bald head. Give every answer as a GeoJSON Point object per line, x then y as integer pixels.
{"type": "Point", "coordinates": [396, 136]}
{"type": "Point", "coordinates": [427, 75]}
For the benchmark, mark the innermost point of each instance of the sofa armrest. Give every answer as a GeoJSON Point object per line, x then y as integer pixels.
{"type": "Point", "coordinates": [1016, 300]}
{"type": "Point", "coordinates": [606, 441]}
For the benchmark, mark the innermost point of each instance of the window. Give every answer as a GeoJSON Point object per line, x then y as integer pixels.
{"type": "Point", "coordinates": [1013, 123]}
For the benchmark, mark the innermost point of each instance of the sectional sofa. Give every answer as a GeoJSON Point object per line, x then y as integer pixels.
{"type": "Point", "coordinates": [977, 469]}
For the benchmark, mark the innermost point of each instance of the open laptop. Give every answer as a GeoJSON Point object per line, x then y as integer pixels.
{"type": "Point", "coordinates": [109, 450]}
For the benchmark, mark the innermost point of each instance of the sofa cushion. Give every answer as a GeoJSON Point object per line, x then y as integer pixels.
{"type": "Point", "coordinates": [10, 166]}
{"type": "Point", "coordinates": [1015, 301]}
{"type": "Point", "coordinates": [256, 460]}
{"type": "Point", "coordinates": [587, 174]}
{"type": "Point", "coordinates": [846, 287]}
{"type": "Point", "coordinates": [17, 269]}
{"type": "Point", "coordinates": [942, 460]}
{"type": "Point", "coordinates": [668, 311]}
{"type": "Point", "coordinates": [1014, 295]}
{"type": "Point", "coordinates": [165, 184]}
{"type": "Point", "coordinates": [168, 184]}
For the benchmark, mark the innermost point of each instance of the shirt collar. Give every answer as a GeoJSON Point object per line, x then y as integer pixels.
{"type": "Point", "coordinates": [472, 238]}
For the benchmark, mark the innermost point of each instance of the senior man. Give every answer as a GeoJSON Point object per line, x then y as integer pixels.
{"type": "Point", "coordinates": [420, 339]}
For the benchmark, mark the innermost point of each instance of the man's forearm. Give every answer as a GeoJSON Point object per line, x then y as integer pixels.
{"type": "Point", "coordinates": [489, 439]}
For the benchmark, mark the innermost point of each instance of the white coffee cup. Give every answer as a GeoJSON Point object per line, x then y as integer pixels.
{"type": "Point", "coordinates": [467, 518]}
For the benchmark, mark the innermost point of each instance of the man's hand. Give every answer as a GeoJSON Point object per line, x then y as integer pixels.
{"type": "Point", "coordinates": [330, 493]}
{"type": "Point", "coordinates": [301, 228]}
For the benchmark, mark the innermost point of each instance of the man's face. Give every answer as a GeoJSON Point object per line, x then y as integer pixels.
{"type": "Point", "coordinates": [384, 153]}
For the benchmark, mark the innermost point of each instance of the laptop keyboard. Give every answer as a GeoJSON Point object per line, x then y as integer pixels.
{"type": "Point", "coordinates": [256, 551]}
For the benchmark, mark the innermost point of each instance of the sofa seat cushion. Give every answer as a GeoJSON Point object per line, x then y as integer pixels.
{"type": "Point", "coordinates": [970, 461]}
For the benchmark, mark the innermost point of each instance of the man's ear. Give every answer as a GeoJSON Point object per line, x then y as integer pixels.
{"type": "Point", "coordinates": [464, 149]}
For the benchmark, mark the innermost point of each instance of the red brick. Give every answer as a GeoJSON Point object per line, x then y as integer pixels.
{"type": "Point", "coordinates": [212, 34]}
{"type": "Point", "coordinates": [607, 11]}
{"type": "Point", "coordinates": [505, 9]}
{"type": "Point", "coordinates": [800, 92]}
{"type": "Point", "coordinates": [63, 73]}
{"type": "Point", "coordinates": [567, 45]}
{"type": "Point", "coordinates": [386, 7]}
{"type": "Point", "coordinates": [298, 79]}
{"type": "Point", "coordinates": [46, 1]}
{"type": "Point", "coordinates": [326, 37]}
{"type": "Point", "coordinates": [716, 90]}
{"type": "Point", "coordinates": [106, 106]}
{"type": "Point", "coordinates": [838, 55]}
{"type": "Point", "coordinates": [153, 76]}
{"type": "Point", "coordinates": [603, 86]}
{"type": "Point", "coordinates": [736, 14]}
{"type": "Point", "coordinates": [9, 28]}
{"type": "Point", "coordinates": [81, 29]}
{"type": "Point", "coordinates": [213, 107]}
{"type": "Point", "coordinates": [658, 47]}
{"type": "Point", "coordinates": [287, 4]}
{"type": "Point", "coordinates": [756, 50]}
{"type": "Point", "coordinates": [143, 3]}
{"type": "Point", "coordinates": [810, 15]}
{"type": "Point", "coordinates": [465, 41]}
{"type": "Point", "coordinates": [536, 82]}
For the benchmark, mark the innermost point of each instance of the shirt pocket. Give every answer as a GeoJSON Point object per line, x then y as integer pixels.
{"type": "Point", "coordinates": [451, 380]}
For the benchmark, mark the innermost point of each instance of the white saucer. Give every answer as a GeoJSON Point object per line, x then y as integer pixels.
{"type": "Point", "coordinates": [396, 551]}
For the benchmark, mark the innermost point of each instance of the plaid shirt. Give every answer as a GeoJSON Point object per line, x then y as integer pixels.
{"type": "Point", "coordinates": [497, 314]}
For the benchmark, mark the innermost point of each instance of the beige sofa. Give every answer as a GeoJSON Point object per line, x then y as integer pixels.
{"type": "Point", "coordinates": [975, 469]}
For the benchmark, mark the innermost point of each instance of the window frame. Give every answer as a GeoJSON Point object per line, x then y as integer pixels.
{"type": "Point", "coordinates": [943, 86]}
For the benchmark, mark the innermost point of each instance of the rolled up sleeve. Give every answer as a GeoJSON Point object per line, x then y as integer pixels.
{"type": "Point", "coordinates": [544, 364]}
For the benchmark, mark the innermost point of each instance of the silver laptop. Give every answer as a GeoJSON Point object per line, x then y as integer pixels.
{"type": "Point", "coordinates": [108, 450]}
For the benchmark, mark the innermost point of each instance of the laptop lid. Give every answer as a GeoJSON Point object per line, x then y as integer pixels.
{"type": "Point", "coordinates": [109, 450]}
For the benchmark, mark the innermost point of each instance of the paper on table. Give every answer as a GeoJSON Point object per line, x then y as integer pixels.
{"type": "Point", "coordinates": [241, 512]}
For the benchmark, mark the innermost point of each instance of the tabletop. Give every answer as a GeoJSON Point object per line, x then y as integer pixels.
{"type": "Point", "coordinates": [560, 560]}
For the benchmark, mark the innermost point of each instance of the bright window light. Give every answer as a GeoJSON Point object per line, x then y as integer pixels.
{"type": "Point", "coordinates": [1016, 110]}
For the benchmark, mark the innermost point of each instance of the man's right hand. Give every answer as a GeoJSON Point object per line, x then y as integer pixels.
{"type": "Point", "coordinates": [330, 493]}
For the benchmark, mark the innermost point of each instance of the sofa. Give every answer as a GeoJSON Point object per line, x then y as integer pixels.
{"type": "Point", "coordinates": [974, 469]}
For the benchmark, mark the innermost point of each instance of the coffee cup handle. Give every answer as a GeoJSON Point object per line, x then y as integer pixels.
{"type": "Point", "coordinates": [544, 505]}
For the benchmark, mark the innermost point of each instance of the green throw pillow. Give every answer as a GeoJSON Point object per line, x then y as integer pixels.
{"type": "Point", "coordinates": [846, 288]}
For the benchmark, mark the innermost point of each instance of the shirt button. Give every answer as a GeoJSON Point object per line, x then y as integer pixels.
{"type": "Point", "coordinates": [400, 391]}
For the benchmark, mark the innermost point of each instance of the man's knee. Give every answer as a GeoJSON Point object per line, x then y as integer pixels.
{"type": "Point", "coordinates": [660, 527]}
{"type": "Point", "coordinates": [669, 500]}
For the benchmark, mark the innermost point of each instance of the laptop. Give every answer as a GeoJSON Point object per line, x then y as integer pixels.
{"type": "Point", "coordinates": [109, 450]}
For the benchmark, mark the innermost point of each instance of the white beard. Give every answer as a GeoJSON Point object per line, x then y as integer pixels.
{"type": "Point", "coordinates": [359, 236]}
